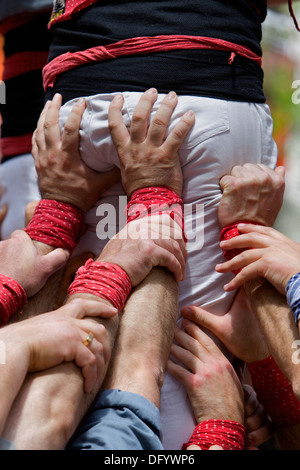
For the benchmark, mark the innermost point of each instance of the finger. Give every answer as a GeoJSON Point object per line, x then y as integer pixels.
{"type": "Point", "coordinates": [203, 340]}
{"type": "Point", "coordinates": [177, 249]}
{"type": "Point", "coordinates": [119, 133]}
{"type": "Point", "coordinates": [179, 133]}
{"type": "Point", "coordinates": [34, 148]}
{"type": "Point", "coordinates": [70, 135]}
{"type": "Point", "coordinates": [29, 211]}
{"type": "Point", "coordinates": [54, 261]}
{"type": "Point", "coordinates": [160, 122]}
{"type": "Point", "coordinates": [178, 372]}
{"type": "Point", "coordinates": [90, 360]}
{"type": "Point", "coordinates": [140, 118]}
{"type": "Point", "coordinates": [81, 308]}
{"type": "Point", "coordinates": [268, 231]}
{"type": "Point", "coordinates": [280, 170]}
{"type": "Point", "coordinates": [166, 259]}
{"type": "Point", "coordinates": [38, 138]}
{"type": "Point", "coordinates": [51, 123]}
{"type": "Point", "coordinates": [226, 182]}
{"type": "Point", "coordinates": [3, 213]}
{"type": "Point", "coordinates": [241, 260]}
{"type": "Point", "coordinates": [194, 342]}
{"type": "Point", "coordinates": [203, 318]}
{"type": "Point", "coordinates": [250, 240]}
{"type": "Point", "coordinates": [247, 273]}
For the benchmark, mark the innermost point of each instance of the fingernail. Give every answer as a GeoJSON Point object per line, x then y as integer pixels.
{"type": "Point", "coordinates": [81, 102]}
{"type": "Point", "coordinates": [189, 114]}
{"type": "Point", "coordinates": [187, 311]}
{"type": "Point", "coordinates": [151, 91]}
{"type": "Point", "coordinates": [117, 98]}
{"type": "Point", "coordinates": [171, 96]}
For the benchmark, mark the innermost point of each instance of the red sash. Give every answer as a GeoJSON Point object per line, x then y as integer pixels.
{"type": "Point", "coordinates": [141, 45]}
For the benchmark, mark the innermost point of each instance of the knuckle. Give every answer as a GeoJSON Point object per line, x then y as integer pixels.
{"type": "Point", "coordinates": [158, 122]}
{"type": "Point", "coordinates": [112, 125]}
{"type": "Point", "coordinates": [138, 118]}
{"type": "Point", "coordinates": [69, 129]}
{"type": "Point", "coordinates": [179, 133]}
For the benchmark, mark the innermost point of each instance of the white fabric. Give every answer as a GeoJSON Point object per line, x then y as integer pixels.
{"type": "Point", "coordinates": [18, 183]}
{"type": "Point", "coordinates": [225, 134]}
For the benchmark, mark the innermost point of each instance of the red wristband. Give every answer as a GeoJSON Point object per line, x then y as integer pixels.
{"type": "Point", "coordinates": [274, 392]}
{"type": "Point", "coordinates": [107, 281]}
{"type": "Point", "coordinates": [231, 231]}
{"type": "Point", "coordinates": [156, 200]}
{"type": "Point", "coordinates": [56, 224]}
{"type": "Point", "coordinates": [12, 298]}
{"type": "Point", "coordinates": [230, 435]}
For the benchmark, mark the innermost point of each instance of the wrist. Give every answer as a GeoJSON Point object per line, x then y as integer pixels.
{"type": "Point", "coordinates": [104, 280]}
{"type": "Point", "coordinates": [228, 434]}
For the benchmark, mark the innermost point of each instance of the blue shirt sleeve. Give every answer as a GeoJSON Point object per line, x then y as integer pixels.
{"type": "Point", "coordinates": [293, 295]}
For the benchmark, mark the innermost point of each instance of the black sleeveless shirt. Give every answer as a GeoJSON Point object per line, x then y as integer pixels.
{"type": "Point", "coordinates": [197, 72]}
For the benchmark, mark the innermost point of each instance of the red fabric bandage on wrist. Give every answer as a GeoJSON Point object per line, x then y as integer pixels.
{"type": "Point", "coordinates": [231, 231]}
{"type": "Point", "coordinates": [230, 435]}
{"type": "Point", "coordinates": [12, 298]}
{"type": "Point", "coordinates": [105, 280]}
{"type": "Point", "coordinates": [56, 224]}
{"type": "Point", "coordinates": [274, 392]}
{"type": "Point", "coordinates": [156, 200]}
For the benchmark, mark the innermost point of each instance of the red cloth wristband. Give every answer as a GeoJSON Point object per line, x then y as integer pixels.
{"type": "Point", "coordinates": [230, 435]}
{"type": "Point", "coordinates": [156, 200]}
{"type": "Point", "coordinates": [56, 224]}
{"type": "Point", "coordinates": [107, 281]}
{"type": "Point", "coordinates": [231, 231]}
{"type": "Point", "coordinates": [274, 392]}
{"type": "Point", "coordinates": [12, 298]}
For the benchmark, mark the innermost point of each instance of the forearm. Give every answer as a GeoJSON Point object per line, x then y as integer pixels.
{"type": "Point", "coordinates": [42, 302]}
{"type": "Point", "coordinates": [53, 225]}
{"type": "Point", "coordinates": [278, 326]}
{"type": "Point", "coordinates": [145, 337]}
{"type": "Point", "coordinates": [52, 403]}
{"type": "Point", "coordinates": [13, 372]}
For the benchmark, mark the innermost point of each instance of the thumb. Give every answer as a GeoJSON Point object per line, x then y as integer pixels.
{"type": "Point", "coordinates": [280, 170]}
{"type": "Point", "coordinates": [55, 260]}
{"type": "Point", "coordinates": [202, 318]}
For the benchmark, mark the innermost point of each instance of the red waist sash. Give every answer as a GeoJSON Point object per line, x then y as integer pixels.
{"type": "Point", "coordinates": [141, 45]}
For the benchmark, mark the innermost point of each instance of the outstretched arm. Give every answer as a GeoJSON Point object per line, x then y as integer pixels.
{"type": "Point", "coordinates": [64, 419]}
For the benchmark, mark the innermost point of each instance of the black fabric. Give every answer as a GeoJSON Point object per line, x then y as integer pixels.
{"type": "Point", "coordinates": [24, 102]}
{"type": "Point", "coordinates": [203, 73]}
{"type": "Point", "coordinates": [25, 95]}
{"type": "Point", "coordinates": [32, 36]}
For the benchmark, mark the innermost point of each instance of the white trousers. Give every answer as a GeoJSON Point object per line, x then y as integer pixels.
{"type": "Point", "coordinates": [225, 134]}
{"type": "Point", "coordinates": [18, 183]}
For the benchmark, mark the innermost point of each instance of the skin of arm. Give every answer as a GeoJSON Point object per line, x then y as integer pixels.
{"type": "Point", "coordinates": [212, 385]}
{"type": "Point", "coordinates": [269, 247]}
{"type": "Point", "coordinates": [64, 177]}
{"type": "Point", "coordinates": [280, 331]}
{"type": "Point", "coordinates": [239, 331]}
{"type": "Point", "coordinates": [50, 339]}
{"type": "Point", "coordinates": [60, 421]}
